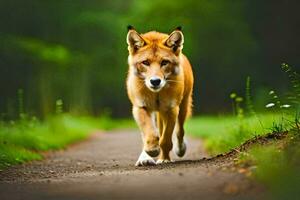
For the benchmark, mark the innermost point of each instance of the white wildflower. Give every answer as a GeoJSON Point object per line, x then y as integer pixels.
{"type": "Point", "coordinates": [285, 106]}
{"type": "Point", "coordinates": [269, 105]}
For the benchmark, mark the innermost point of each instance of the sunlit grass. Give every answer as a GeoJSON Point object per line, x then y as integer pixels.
{"type": "Point", "coordinates": [11, 155]}
{"type": "Point", "coordinates": [276, 165]}
{"type": "Point", "coordinates": [222, 133]}
{"type": "Point", "coordinates": [23, 140]}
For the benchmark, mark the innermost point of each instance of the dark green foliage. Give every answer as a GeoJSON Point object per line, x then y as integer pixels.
{"type": "Point", "coordinates": [293, 96]}
{"type": "Point", "coordinates": [21, 103]}
{"type": "Point", "coordinates": [79, 53]}
{"type": "Point", "coordinates": [294, 78]}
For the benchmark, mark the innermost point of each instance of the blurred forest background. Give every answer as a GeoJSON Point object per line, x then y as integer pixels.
{"type": "Point", "coordinates": [76, 52]}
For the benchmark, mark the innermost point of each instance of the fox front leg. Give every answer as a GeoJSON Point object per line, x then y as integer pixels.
{"type": "Point", "coordinates": [149, 131]}
{"type": "Point", "coordinates": [165, 142]}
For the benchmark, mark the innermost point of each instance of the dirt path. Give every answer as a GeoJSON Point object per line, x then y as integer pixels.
{"type": "Point", "coordinates": [103, 168]}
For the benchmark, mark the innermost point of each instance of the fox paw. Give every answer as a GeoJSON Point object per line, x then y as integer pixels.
{"type": "Point", "coordinates": [145, 160]}
{"type": "Point", "coordinates": [153, 152]}
{"type": "Point", "coordinates": [151, 146]}
{"type": "Point", "coordinates": [162, 161]}
{"type": "Point", "coordinates": [180, 149]}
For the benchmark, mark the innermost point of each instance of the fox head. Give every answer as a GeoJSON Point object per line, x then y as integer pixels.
{"type": "Point", "coordinates": [155, 57]}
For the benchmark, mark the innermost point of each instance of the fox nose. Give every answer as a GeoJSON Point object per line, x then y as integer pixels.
{"type": "Point", "coordinates": [155, 81]}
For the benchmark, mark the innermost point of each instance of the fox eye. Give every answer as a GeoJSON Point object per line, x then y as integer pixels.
{"type": "Point", "coordinates": [146, 62]}
{"type": "Point", "coordinates": [164, 62]}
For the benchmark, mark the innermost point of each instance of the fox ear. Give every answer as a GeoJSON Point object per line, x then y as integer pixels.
{"type": "Point", "coordinates": [175, 40]}
{"type": "Point", "coordinates": [134, 40]}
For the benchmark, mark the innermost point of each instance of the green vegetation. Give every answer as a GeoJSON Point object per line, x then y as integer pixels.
{"type": "Point", "coordinates": [23, 140]}
{"type": "Point", "coordinates": [275, 164]}
{"type": "Point", "coordinates": [79, 54]}
{"type": "Point", "coordinates": [224, 133]}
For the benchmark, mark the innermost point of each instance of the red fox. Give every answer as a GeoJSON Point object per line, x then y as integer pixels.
{"type": "Point", "coordinates": [159, 85]}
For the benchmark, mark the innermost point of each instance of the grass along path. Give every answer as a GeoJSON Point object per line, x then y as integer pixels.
{"type": "Point", "coordinates": [274, 163]}
{"type": "Point", "coordinates": [223, 133]}
{"type": "Point", "coordinates": [24, 140]}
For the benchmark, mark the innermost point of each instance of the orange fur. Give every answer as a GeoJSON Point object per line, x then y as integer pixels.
{"type": "Point", "coordinates": [171, 105]}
